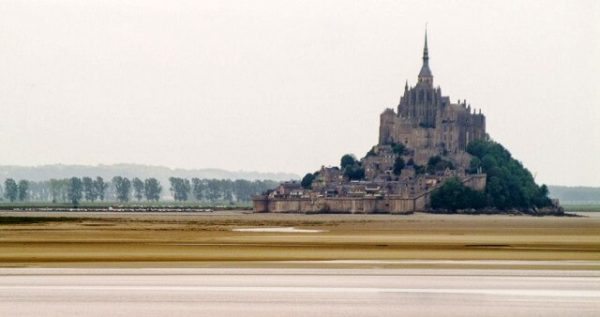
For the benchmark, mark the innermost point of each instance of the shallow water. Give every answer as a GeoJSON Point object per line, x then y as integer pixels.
{"type": "Point", "coordinates": [305, 292]}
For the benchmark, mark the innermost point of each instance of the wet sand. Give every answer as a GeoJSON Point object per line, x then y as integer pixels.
{"type": "Point", "coordinates": [293, 292]}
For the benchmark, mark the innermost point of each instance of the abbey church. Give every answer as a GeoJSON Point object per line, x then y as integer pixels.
{"type": "Point", "coordinates": [428, 121]}
{"type": "Point", "coordinates": [422, 143]}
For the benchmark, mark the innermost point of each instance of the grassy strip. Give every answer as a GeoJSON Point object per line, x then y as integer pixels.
{"type": "Point", "coordinates": [582, 207]}
{"type": "Point", "coordinates": [126, 205]}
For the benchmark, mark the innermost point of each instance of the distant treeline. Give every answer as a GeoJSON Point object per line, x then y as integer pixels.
{"type": "Point", "coordinates": [575, 194]}
{"type": "Point", "coordinates": [122, 189]}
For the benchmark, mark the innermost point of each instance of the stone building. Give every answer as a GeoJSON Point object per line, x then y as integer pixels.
{"type": "Point", "coordinates": [428, 121]}
{"type": "Point", "coordinates": [399, 172]}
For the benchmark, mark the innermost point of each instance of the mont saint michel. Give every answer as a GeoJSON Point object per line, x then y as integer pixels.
{"type": "Point", "coordinates": [429, 148]}
{"type": "Point", "coordinates": [299, 158]}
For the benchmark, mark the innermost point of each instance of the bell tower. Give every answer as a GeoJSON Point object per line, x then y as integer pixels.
{"type": "Point", "coordinates": [425, 75]}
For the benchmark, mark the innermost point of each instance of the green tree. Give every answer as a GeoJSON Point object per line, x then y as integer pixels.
{"type": "Point", "coordinates": [23, 190]}
{"type": "Point", "coordinates": [352, 168]}
{"type": "Point", "coordinates": [354, 172]}
{"type": "Point", "coordinates": [122, 188]}
{"type": "Point", "coordinates": [152, 189]}
{"type": "Point", "coordinates": [307, 180]}
{"type": "Point", "coordinates": [347, 160]}
{"type": "Point", "coordinates": [75, 190]}
{"type": "Point", "coordinates": [180, 188]}
{"type": "Point", "coordinates": [57, 189]}
{"type": "Point", "coordinates": [227, 190]}
{"type": "Point", "coordinates": [100, 188]}
{"type": "Point", "coordinates": [138, 188]}
{"type": "Point", "coordinates": [437, 164]}
{"type": "Point", "coordinates": [89, 190]}
{"type": "Point", "coordinates": [244, 190]}
{"type": "Point", "coordinates": [213, 190]}
{"type": "Point", "coordinates": [453, 195]}
{"type": "Point", "coordinates": [509, 184]}
{"type": "Point", "coordinates": [474, 165]}
{"type": "Point", "coordinates": [198, 188]}
{"type": "Point", "coordinates": [398, 165]}
{"type": "Point", "coordinates": [371, 152]}
{"type": "Point", "coordinates": [398, 148]}
{"type": "Point", "coordinates": [11, 189]}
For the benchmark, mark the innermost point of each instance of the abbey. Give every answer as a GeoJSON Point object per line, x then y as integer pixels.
{"type": "Point", "coordinates": [422, 144]}
{"type": "Point", "coordinates": [428, 121]}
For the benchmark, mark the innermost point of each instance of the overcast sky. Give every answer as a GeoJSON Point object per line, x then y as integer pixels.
{"type": "Point", "coordinates": [290, 85]}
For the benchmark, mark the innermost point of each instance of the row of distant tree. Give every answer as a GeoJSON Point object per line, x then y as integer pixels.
{"type": "Point", "coordinates": [122, 189]}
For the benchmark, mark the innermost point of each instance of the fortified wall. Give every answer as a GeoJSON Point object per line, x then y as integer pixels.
{"type": "Point", "coordinates": [394, 204]}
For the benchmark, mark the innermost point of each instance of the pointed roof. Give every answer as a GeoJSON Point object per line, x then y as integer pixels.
{"type": "Point", "coordinates": [425, 71]}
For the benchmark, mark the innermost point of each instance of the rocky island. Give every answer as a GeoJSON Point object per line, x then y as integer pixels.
{"type": "Point", "coordinates": [432, 155]}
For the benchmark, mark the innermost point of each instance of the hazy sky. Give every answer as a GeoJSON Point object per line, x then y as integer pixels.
{"type": "Point", "coordinates": [290, 85]}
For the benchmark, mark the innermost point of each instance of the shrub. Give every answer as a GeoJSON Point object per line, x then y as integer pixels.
{"type": "Point", "coordinates": [453, 195]}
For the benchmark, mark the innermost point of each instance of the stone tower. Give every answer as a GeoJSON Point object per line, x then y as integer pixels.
{"type": "Point", "coordinates": [420, 104]}
{"type": "Point", "coordinates": [427, 122]}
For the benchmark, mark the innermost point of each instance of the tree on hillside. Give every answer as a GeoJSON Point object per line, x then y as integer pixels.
{"type": "Point", "coordinates": [100, 188]}
{"type": "Point", "coordinates": [453, 195]}
{"type": "Point", "coordinates": [347, 160]}
{"type": "Point", "coordinates": [23, 190]}
{"type": "Point", "coordinates": [89, 190]}
{"type": "Point", "coordinates": [438, 164]}
{"type": "Point", "coordinates": [398, 148]}
{"type": "Point", "coordinates": [352, 168]}
{"type": "Point", "coordinates": [509, 183]}
{"type": "Point", "coordinates": [138, 188]}
{"type": "Point", "coordinates": [11, 189]}
{"type": "Point", "coordinates": [307, 180]}
{"type": "Point", "coordinates": [371, 152]}
{"type": "Point", "coordinates": [75, 190]}
{"type": "Point", "coordinates": [122, 188]}
{"type": "Point", "coordinates": [354, 172]}
{"type": "Point", "coordinates": [180, 188]}
{"type": "Point", "coordinates": [398, 165]}
{"type": "Point", "coordinates": [152, 189]}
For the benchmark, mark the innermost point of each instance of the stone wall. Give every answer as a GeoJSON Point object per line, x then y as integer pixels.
{"type": "Point", "coordinates": [476, 182]}
{"type": "Point", "coordinates": [455, 127]}
{"type": "Point", "coordinates": [353, 205]}
{"type": "Point", "coordinates": [356, 205]}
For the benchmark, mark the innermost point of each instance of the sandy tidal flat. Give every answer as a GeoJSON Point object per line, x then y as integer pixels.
{"type": "Point", "coordinates": [214, 240]}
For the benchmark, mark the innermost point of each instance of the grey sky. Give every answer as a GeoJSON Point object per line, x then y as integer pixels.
{"type": "Point", "coordinates": [290, 85]}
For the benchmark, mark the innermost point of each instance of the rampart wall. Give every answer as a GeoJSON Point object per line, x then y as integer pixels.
{"type": "Point", "coordinates": [355, 205]}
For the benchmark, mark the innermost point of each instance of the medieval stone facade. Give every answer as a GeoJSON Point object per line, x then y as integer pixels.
{"type": "Point", "coordinates": [428, 121]}
{"type": "Point", "coordinates": [401, 171]}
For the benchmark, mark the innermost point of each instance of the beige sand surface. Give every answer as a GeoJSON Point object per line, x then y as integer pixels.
{"type": "Point", "coordinates": [208, 239]}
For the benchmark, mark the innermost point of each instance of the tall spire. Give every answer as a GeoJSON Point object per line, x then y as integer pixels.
{"type": "Point", "coordinates": [425, 50]}
{"type": "Point", "coordinates": [425, 73]}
